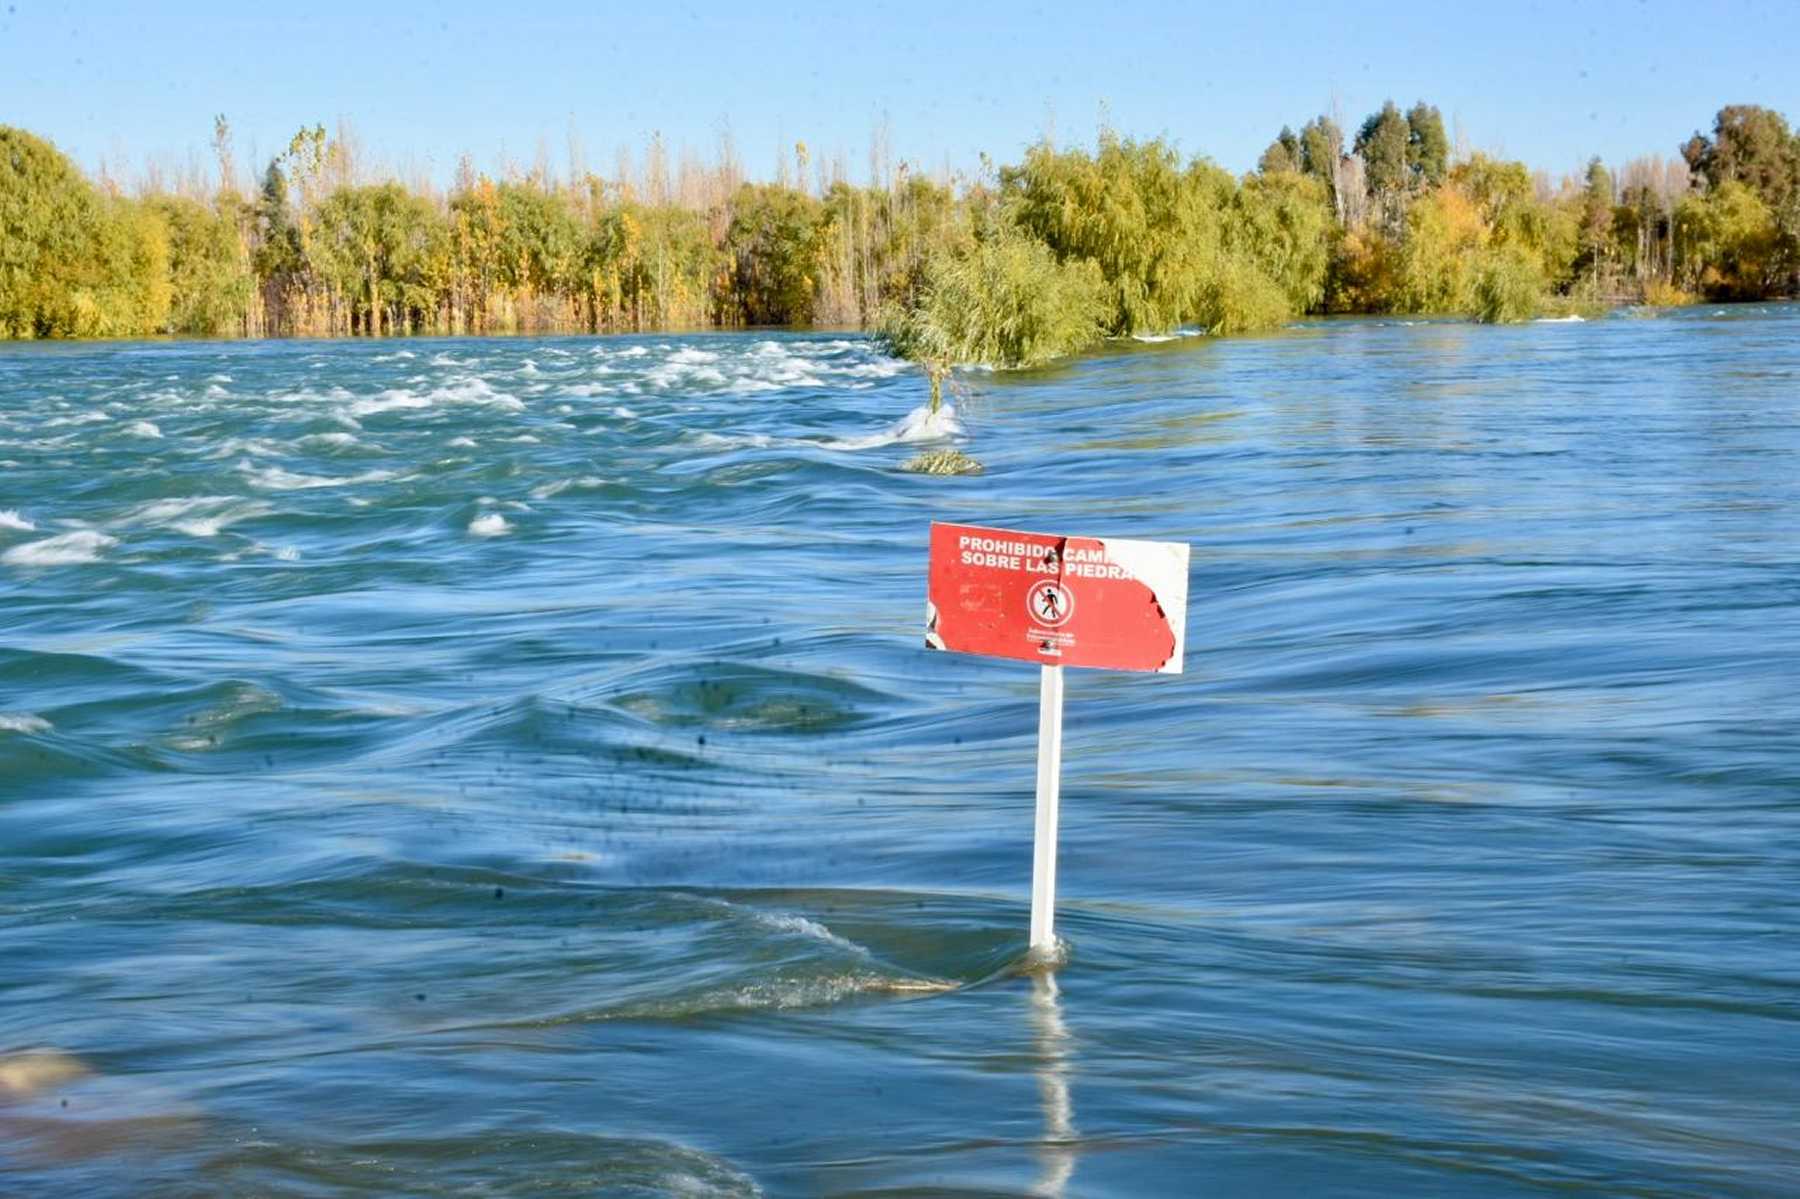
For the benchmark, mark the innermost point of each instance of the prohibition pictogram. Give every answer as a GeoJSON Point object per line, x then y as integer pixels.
{"type": "Point", "coordinates": [1050, 603]}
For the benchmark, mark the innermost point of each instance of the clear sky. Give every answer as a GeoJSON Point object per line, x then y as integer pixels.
{"type": "Point", "coordinates": [1550, 83]}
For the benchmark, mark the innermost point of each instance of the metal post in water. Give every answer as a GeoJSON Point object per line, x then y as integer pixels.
{"type": "Point", "coordinates": [1049, 784]}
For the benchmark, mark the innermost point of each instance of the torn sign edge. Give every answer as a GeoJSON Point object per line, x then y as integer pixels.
{"type": "Point", "coordinates": [1162, 566]}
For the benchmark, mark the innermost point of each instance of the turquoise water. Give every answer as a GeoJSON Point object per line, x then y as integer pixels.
{"type": "Point", "coordinates": [512, 768]}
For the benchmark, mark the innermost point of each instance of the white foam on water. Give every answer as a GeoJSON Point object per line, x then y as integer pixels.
{"type": "Point", "coordinates": [143, 428]}
{"type": "Point", "coordinates": [287, 553]}
{"type": "Point", "coordinates": [335, 440]}
{"type": "Point", "coordinates": [85, 418]}
{"type": "Point", "coordinates": [461, 443]}
{"type": "Point", "coordinates": [69, 549]}
{"type": "Point", "coordinates": [209, 526]}
{"type": "Point", "coordinates": [623, 413]}
{"type": "Point", "coordinates": [218, 378]}
{"type": "Point", "coordinates": [22, 722]}
{"type": "Point", "coordinates": [921, 424]}
{"type": "Point", "coordinates": [1571, 319]}
{"type": "Point", "coordinates": [10, 519]}
{"type": "Point", "coordinates": [470, 389]}
{"type": "Point", "coordinates": [732, 441]}
{"type": "Point", "coordinates": [490, 525]}
{"type": "Point", "coordinates": [790, 922]}
{"type": "Point", "coordinates": [583, 483]}
{"type": "Point", "coordinates": [274, 478]}
{"type": "Point", "coordinates": [161, 512]}
{"type": "Point", "coordinates": [232, 447]}
{"type": "Point", "coordinates": [397, 356]}
{"type": "Point", "coordinates": [215, 392]}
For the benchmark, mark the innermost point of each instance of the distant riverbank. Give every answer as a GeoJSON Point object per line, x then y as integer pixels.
{"type": "Point", "coordinates": [1030, 261]}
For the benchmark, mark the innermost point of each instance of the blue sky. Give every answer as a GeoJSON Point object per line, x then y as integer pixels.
{"type": "Point", "coordinates": [1550, 83]}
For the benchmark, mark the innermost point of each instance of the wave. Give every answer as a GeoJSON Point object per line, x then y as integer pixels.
{"type": "Point", "coordinates": [69, 549]}
{"type": "Point", "coordinates": [10, 519]}
{"type": "Point", "coordinates": [921, 424]}
{"type": "Point", "coordinates": [470, 389]}
{"type": "Point", "coordinates": [491, 524]}
{"type": "Point", "coordinates": [23, 722]}
{"type": "Point", "coordinates": [274, 478]}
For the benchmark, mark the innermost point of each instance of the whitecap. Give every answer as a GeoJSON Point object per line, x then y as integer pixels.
{"type": "Point", "coordinates": [143, 428]}
{"type": "Point", "coordinates": [273, 478]}
{"type": "Point", "coordinates": [921, 424]}
{"type": "Point", "coordinates": [491, 524]}
{"type": "Point", "coordinates": [789, 922]}
{"type": "Point", "coordinates": [83, 545]}
{"type": "Point", "coordinates": [467, 390]}
{"type": "Point", "coordinates": [86, 418]}
{"type": "Point", "coordinates": [461, 443]}
{"type": "Point", "coordinates": [10, 519]}
{"type": "Point", "coordinates": [335, 440]}
{"type": "Point", "coordinates": [1571, 319]}
{"type": "Point", "coordinates": [623, 413]}
{"type": "Point", "coordinates": [23, 722]}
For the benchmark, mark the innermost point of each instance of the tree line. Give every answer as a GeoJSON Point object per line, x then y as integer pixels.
{"type": "Point", "coordinates": [1020, 263]}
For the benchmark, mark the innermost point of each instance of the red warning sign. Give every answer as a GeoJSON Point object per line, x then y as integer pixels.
{"type": "Point", "coordinates": [1061, 601]}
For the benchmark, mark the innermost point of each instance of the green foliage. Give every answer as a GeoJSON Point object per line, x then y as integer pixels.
{"type": "Point", "coordinates": [1006, 301]}
{"type": "Point", "coordinates": [1126, 237]}
{"type": "Point", "coordinates": [774, 245]}
{"type": "Point", "coordinates": [1283, 154]}
{"type": "Point", "coordinates": [1282, 223]}
{"type": "Point", "coordinates": [1508, 286]}
{"type": "Point", "coordinates": [1728, 243]}
{"type": "Point", "coordinates": [1159, 233]}
{"type": "Point", "coordinates": [1385, 143]}
{"type": "Point", "coordinates": [73, 263]}
{"type": "Point", "coordinates": [376, 248]}
{"type": "Point", "coordinates": [1427, 145]}
{"type": "Point", "coordinates": [1440, 255]}
{"type": "Point", "coordinates": [210, 279]}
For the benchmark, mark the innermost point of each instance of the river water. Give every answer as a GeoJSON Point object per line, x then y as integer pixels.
{"type": "Point", "coordinates": [458, 768]}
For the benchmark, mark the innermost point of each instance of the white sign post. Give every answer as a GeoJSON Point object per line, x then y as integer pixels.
{"type": "Point", "coordinates": [1049, 796]}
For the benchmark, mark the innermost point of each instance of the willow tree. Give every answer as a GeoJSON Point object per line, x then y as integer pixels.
{"type": "Point", "coordinates": [211, 283]}
{"type": "Point", "coordinates": [773, 248]}
{"type": "Point", "coordinates": [73, 263]}
{"type": "Point", "coordinates": [1156, 229]}
{"type": "Point", "coordinates": [1005, 301]}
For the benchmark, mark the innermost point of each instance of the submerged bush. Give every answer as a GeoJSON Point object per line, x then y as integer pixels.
{"type": "Point", "coordinates": [942, 462]}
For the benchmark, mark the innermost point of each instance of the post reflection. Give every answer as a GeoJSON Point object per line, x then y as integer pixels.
{"type": "Point", "coordinates": [1056, 1152]}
